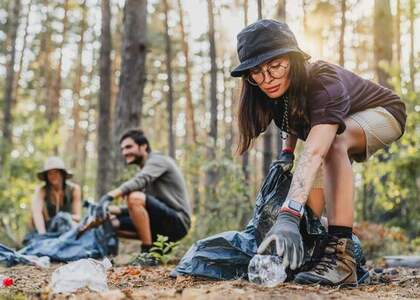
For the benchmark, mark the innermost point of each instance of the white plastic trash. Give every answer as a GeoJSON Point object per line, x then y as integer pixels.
{"type": "Point", "coordinates": [88, 273]}
{"type": "Point", "coordinates": [266, 270]}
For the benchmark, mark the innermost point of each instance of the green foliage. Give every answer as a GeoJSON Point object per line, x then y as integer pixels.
{"type": "Point", "coordinates": [395, 177]}
{"type": "Point", "coordinates": [34, 141]}
{"type": "Point", "coordinates": [162, 250]}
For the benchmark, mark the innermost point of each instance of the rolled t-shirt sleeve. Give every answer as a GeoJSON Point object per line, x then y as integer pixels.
{"type": "Point", "coordinates": [329, 100]}
{"type": "Point", "coordinates": [152, 169]}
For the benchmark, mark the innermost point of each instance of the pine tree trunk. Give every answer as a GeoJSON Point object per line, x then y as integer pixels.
{"type": "Point", "coordinates": [25, 41]}
{"type": "Point", "coordinates": [170, 110]}
{"type": "Point", "coordinates": [211, 175]}
{"type": "Point", "coordinates": [398, 39]}
{"type": "Point", "coordinates": [213, 83]}
{"type": "Point", "coordinates": [76, 139]}
{"type": "Point", "coordinates": [191, 132]}
{"type": "Point", "coordinates": [104, 170]}
{"type": "Point", "coordinates": [56, 88]}
{"type": "Point", "coordinates": [46, 72]}
{"type": "Point", "coordinates": [281, 16]}
{"type": "Point", "coordinates": [382, 39]}
{"type": "Point", "coordinates": [342, 33]}
{"type": "Point", "coordinates": [245, 156]}
{"type": "Point", "coordinates": [133, 75]}
{"type": "Point", "coordinates": [91, 110]}
{"type": "Point", "coordinates": [412, 53]}
{"type": "Point", "coordinates": [267, 135]}
{"type": "Point", "coordinates": [9, 85]}
{"type": "Point", "coordinates": [246, 5]}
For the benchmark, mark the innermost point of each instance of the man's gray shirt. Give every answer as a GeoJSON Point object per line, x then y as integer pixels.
{"type": "Point", "coordinates": [161, 178]}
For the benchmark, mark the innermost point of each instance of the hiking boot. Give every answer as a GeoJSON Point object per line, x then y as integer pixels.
{"type": "Point", "coordinates": [336, 265]}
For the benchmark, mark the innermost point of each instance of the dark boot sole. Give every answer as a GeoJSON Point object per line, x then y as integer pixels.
{"type": "Point", "coordinates": [307, 281]}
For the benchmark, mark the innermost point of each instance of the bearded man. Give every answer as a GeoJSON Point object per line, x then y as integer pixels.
{"type": "Point", "coordinates": [156, 196]}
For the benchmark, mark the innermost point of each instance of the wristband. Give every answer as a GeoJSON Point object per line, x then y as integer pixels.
{"type": "Point", "coordinates": [293, 207]}
{"type": "Point", "coordinates": [287, 150]}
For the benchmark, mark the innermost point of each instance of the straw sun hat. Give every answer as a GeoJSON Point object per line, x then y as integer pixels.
{"type": "Point", "coordinates": [53, 163]}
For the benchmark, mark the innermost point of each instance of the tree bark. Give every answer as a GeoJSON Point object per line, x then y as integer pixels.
{"type": "Point", "coordinates": [382, 39]}
{"type": "Point", "coordinates": [267, 135]}
{"type": "Point", "coordinates": [281, 16]}
{"type": "Point", "coordinates": [170, 104]}
{"type": "Point", "coordinates": [213, 83]}
{"type": "Point", "coordinates": [281, 10]}
{"type": "Point", "coordinates": [211, 174]}
{"type": "Point", "coordinates": [342, 33]}
{"type": "Point", "coordinates": [133, 75]}
{"type": "Point", "coordinates": [56, 88]}
{"type": "Point", "coordinates": [45, 72]}
{"type": "Point", "coordinates": [246, 5]}
{"type": "Point", "coordinates": [191, 131]}
{"type": "Point", "coordinates": [245, 156]}
{"type": "Point", "coordinates": [91, 110]}
{"type": "Point", "coordinates": [76, 139]}
{"type": "Point", "coordinates": [13, 21]}
{"type": "Point", "coordinates": [104, 170]}
{"type": "Point", "coordinates": [412, 53]}
{"type": "Point", "coordinates": [25, 41]}
{"type": "Point", "coordinates": [398, 39]}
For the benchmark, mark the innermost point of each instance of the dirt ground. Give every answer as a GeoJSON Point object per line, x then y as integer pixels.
{"type": "Point", "coordinates": [132, 282]}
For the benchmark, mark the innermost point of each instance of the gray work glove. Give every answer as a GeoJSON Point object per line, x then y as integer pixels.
{"type": "Point", "coordinates": [102, 208]}
{"type": "Point", "coordinates": [285, 160]}
{"type": "Point", "coordinates": [284, 240]}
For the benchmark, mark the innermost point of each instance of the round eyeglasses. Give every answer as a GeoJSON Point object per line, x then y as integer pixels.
{"type": "Point", "coordinates": [275, 70]}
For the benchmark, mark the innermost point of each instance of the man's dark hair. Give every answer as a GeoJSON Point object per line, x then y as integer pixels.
{"type": "Point", "coordinates": [138, 137]}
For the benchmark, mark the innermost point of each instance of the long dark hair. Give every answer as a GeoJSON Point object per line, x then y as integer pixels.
{"type": "Point", "coordinates": [256, 109]}
{"type": "Point", "coordinates": [48, 186]}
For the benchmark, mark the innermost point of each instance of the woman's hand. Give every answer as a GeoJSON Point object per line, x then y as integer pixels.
{"type": "Point", "coordinates": [285, 240]}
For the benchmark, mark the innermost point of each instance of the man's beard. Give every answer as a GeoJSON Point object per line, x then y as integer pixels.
{"type": "Point", "coordinates": [138, 160]}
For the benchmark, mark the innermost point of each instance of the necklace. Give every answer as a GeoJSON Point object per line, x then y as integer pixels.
{"type": "Point", "coordinates": [285, 121]}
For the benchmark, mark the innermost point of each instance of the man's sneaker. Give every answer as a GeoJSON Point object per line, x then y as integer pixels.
{"type": "Point", "coordinates": [144, 259]}
{"type": "Point", "coordinates": [336, 265]}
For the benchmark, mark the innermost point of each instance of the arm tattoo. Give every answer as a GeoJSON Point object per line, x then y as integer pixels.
{"type": "Point", "coordinates": [303, 177]}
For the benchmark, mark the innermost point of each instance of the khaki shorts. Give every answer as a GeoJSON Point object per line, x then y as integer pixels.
{"type": "Point", "coordinates": [381, 129]}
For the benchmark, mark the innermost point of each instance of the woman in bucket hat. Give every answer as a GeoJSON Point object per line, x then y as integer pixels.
{"type": "Point", "coordinates": [340, 116]}
{"type": "Point", "coordinates": [57, 194]}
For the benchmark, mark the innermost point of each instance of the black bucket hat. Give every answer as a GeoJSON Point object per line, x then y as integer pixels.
{"type": "Point", "coordinates": [263, 40]}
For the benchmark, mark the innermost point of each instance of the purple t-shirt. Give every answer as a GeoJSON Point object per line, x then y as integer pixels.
{"type": "Point", "coordinates": [334, 93]}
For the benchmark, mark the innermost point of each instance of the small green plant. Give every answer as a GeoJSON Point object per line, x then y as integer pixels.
{"type": "Point", "coordinates": [162, 249]}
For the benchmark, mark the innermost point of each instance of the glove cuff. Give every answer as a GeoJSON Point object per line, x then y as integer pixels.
{"type": "Point", "coordinates": [288, 216]}
{"type": "Point", "coordinates": [287, 150]}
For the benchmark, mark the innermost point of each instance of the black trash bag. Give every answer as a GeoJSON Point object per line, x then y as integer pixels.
{"type": "Point", "coordinates": [227, 255]}
{"type": "Point", "coordinates": [63, 247]}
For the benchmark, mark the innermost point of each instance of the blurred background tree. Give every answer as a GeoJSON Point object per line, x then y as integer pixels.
{"type": "Point", "coordinates": [75, 73]}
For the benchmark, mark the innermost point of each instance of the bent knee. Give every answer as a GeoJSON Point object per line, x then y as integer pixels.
{"type": "Point", "coordinates": [339, 147]}
{"type": "Point", "coordinates": [135, 199]}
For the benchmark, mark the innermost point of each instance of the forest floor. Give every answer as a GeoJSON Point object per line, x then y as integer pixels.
{"type": "Point", "coordinates": [132, 282]}
{"type": "Point", "coordinates": [135, 282]}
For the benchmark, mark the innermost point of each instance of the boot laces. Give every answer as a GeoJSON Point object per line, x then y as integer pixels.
{"type": "Point", "coordinates": [329, 258]}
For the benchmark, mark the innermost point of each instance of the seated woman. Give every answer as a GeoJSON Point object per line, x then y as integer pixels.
{"type": "Point", "coordinates": [57, 195]}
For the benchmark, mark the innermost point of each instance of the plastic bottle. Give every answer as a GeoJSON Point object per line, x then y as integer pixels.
{"type": "Point", "coordinates": [88, 273]}
{"type": "Point", "coordinates": [5, 281]}
{"type": "Point", "coordinates": [266, 270]}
